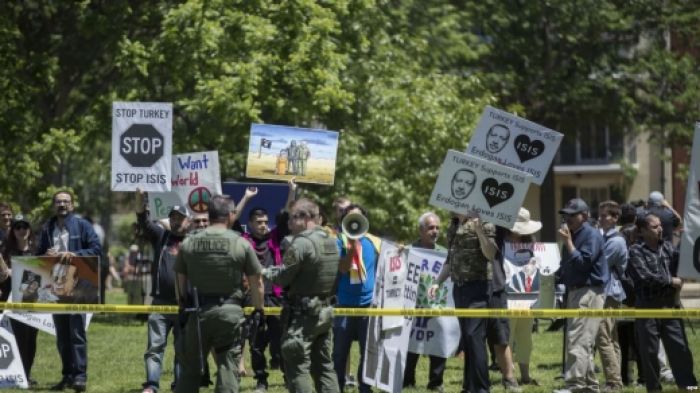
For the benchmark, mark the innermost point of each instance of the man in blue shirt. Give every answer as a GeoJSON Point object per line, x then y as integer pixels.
{"type": "Point", "coordinates": [357, 272]}
{"type": "Point", "coordinates": [66, 235]}
{"type": "Point", "coordinates": [584, 271]}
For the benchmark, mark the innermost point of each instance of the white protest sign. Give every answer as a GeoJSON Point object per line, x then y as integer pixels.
{"type": "Point", "coordinates": [689, 266]}
{"type": "Point", "coordinates": [195, 178]}
{"type": "Point", "coordinates": [11, 369]}
{"type": "Point", "coordinates": [527, 267]}
{"type": "Point", "coordinates": [393, 274]}
{"type": "Point", "coordinates": [515, 142]}
{"type": "Point", "coordinates": [467, 183]}
{"type": "Point", "coordinates": [431, 336]}
{"type": "Point", "coordinates": [386, 348]}
{"type": "Point", "coordinates": [142, 138]}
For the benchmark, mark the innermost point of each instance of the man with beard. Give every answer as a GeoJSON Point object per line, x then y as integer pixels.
{"type": "Point", "coordinates": [428, 231]}
{"type": "Point", "coordinates": [65, 236]}
{"type": "Point", "coordinates": [166, 245]}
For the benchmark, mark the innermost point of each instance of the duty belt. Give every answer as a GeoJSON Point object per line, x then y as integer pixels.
{"type": "Point", "coordinates": [218, 300]}
{"type": "Point", "coordinates": [302, 303]}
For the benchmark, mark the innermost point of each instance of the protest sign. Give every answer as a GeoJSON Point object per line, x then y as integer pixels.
{"type": "Point", "coordinates": [142, 134]}
{"type": "Point", "coordinates": [387, 337]}
{"type": "Point", "coordinates": [515, 142]}
{"type": "Point", "coordinates": [12, 373]}
{"type": "Point", "coordinates": [271, 196]}
{"type": "Point", "coordinates": [195, 178]}
{"type": "Point", "coordinates": [689, 266]}
{"type": "Point", "coordinates": [280, 152]}
{"type": "Point", "coordinates": [467, 183]}
{"type": "Point", "coordinates": [431, 336]}
{"type": "Point", "coordinates": [527, 266]}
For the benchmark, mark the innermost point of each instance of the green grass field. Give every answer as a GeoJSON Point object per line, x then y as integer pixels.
{"type": "Point", "coordinates": [117, 343]}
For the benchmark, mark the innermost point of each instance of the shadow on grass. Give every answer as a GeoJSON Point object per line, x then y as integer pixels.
{"type": "Point", "coordinates": [121, 319]}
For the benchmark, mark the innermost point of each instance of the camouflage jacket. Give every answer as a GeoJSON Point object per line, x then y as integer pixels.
{"type": "Point", "coordinates": [467, 261]}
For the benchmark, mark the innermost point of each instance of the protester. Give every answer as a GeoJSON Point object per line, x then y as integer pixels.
{"type": "Point", "coordinates": [358, 269]}
{"type": "Point", "coordinates": [166, 246]}
{"type": "Point", "coordinates": [471, 248]}
{"type": "Point", "coordinates": [510, 245]}
{"type": "Point", "coordinates": [670, 219]}
{"type": "Point", "coordinates": [5, 220]}
{"type": "Point", "coordinates": [65, 236]}
{"type": "Point", "coordinates": [584, 271]}
{"type": "Point", "coordinates": [615, 250]}
{"type": "Point", "coordinates": [309, 272]}
{"type": "Point", "coordinates": [199, 221]}
{"type": "Point", "coordinates": [428, 233]}
{"type": "Point", "coordinates": [20, 241]}
{"type": "Point", "coordinates": [213, 262]}
{"type": "Point", "coordinates": [653, 266]}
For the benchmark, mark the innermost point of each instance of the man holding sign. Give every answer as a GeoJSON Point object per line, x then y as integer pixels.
{"type": "Point", "coordinates": [471, 248]}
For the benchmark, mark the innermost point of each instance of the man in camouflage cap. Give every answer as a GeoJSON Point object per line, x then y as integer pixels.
{"type": "Point", "coordinates": [214, 261]}
{"type": "Point", "coordinates": [471, 248]}
{"type": "Point", "coordinates": [309, 271]}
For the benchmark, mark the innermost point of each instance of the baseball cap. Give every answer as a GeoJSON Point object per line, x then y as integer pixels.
{"type": "Point", "coordinates": [656, 198]}
{"type": "Point", "coordinates": [179, 209]}
{"type": "Point", "coordinates": [20, 218]}
{"type": "Point", "coordinates": [576, 205]}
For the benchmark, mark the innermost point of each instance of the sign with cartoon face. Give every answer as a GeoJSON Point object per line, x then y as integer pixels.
{"type": "Point", "coordinates": [467, 184]}
{"type": "Point", "coordinates": [515, 142]}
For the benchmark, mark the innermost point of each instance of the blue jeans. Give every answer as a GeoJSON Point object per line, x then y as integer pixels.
{"type": "Point", "coordinates": [159, 325]}
{"type": "Point", "coordinates": [71, 341]}
{"type": "Point", "coordinates": [345, 331]}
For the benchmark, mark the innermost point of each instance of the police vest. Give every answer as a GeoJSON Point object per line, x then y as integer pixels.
{"type": "Point", "coordinates": [317, 277]}
{"type": "Point", "coordinates": [217, 263]}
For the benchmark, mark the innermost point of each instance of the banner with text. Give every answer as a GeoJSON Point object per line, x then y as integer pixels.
{"type": "Point", "coordinates": [515, 142]}
{"type": "Point", "coordinates": [195, 178]}
{"type": "Point", "coordinates": [526, 266]}
{"type": "Point", "coordinates": [12, 373]}
{"type": "Point", "coordinates": [431, 336]}
{"type": "Point", "coordinates": [142, 138]}
{"type": "Point", "coordinates": [387, 337]}
{"type": "Point", "coordinates": [689, 266]}
{"type": "Point", "coordinates": [467, 183]}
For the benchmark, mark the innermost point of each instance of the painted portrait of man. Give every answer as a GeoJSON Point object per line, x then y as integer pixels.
{"type": "Point", "coordinates": [463, 183]}
{"type": "Point", "coordinates": [497, 138]}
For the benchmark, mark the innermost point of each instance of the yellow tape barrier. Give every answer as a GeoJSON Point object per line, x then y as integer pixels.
{"type": "Point", "coordinates": [373, 312]}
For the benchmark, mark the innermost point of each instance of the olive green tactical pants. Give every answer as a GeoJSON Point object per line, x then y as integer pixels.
{"type": "Point", "coordinates": [221, 327]}
{"type": "Point", "coordinates": [306, 348]}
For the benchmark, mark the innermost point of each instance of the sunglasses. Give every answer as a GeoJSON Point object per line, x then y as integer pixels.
{"type": "Point", "coordinates": [21, 227]}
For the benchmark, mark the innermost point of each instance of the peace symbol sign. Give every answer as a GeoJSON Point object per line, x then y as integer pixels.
{"type": "Point", "coordinates": [199, 200]}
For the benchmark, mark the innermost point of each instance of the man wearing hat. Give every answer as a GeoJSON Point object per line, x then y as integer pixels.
{"type": "Point", "coordinates": [584, 271]}
{"type": "Point", "coordinates": [166, 244]}
{"type": "Point", "coordinates": [670, 219]}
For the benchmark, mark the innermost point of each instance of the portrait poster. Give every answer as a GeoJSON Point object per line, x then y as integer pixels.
{"type": "Point", "coordinates": [430, 335]}
{"type": "Point", "coordinates": [527, 268]}
{"type": "Point", "coordinates": [12, 373]}
{"type": "Point", "coordinates": [387, 339]}
{"type": "Point", "coordinates": [142, 139]}
{"type": "Point", "coordinates": [466, 183]}
{"type": "Point", "coordinates": [49, 280]}
{"type": "Point", "coordinates": [281, 152]}
{"type": "Point", "coordinates": [195, 178]}
{"type": "Point", "coordinates": [689, 266]}
{"type": "Point", "coordinates": [515, 142]}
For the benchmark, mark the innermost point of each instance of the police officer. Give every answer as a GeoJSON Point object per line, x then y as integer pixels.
{"type": "Point", "coordinates": [309, 271]}
{"type": "Point", "coordinates": [214, 261]}
{"type": "Point", "coordinates": [471, 249]}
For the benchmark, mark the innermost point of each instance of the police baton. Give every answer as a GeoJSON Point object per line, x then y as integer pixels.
{"type": "Point", "coordinates": [195, 310]}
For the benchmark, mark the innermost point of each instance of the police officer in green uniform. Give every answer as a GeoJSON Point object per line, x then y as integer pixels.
{"type": "Point", "coordinates": [471, 248]}
{"type": "Point", "coordinates": [309, 271]}
{"type": "Point", "coordinates": [214, 261]}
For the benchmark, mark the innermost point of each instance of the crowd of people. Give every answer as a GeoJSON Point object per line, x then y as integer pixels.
{"type": "Point", "coordinates": [307, 265]}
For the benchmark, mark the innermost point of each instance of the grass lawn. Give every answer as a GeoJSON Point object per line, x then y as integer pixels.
{"type": "Point", "coordinates": [117, 343]}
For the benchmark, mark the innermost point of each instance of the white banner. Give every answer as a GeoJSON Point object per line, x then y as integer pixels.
{"type": "Point", "coordinates": [431, 336]}
{"type": "Point", "coordinates": [515, 142]}
{"type": "Point", "coordinates": [689, 265]}
{"type": "Point", "coordinates": [195, 178]}
{"type": "Point", "coordinates": [528, 268]}
{"type": "Point", "coordinates": [387, 337]}
{"type": "Point", "coordinates": [142, 138]}
{"type": "Point", "coordinates": [11, 369]}
{"type": "Point", "coordinates": [467, 183]}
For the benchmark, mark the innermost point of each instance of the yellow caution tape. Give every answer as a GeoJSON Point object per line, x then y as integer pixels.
{"type": "Point", "coordinates": [376, 312]}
